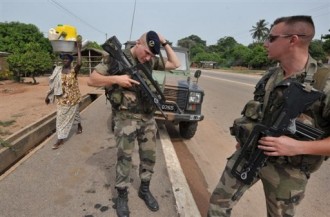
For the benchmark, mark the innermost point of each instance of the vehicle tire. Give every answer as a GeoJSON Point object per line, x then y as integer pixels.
{"type": "Point", "coordinates": [187, 129]}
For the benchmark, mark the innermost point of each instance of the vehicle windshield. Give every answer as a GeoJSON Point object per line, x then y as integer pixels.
{"type": "Point", "coordinates": [182, 57]}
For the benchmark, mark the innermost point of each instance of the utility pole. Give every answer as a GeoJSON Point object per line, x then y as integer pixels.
{"type": "Point", "coordinates": [130, 35]}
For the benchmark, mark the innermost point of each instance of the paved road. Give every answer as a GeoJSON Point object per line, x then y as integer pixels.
{"type": "Point", "coordinates": [78, 178]}
{"type": "Point", "coordinates": [229, 77]}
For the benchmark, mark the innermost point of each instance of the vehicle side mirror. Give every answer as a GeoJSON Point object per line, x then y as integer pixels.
{"type": "Point", "coordinates": [197, 73]}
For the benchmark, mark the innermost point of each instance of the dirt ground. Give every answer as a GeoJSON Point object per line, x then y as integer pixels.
{"type": "Point", "coordinates": [22, 104]}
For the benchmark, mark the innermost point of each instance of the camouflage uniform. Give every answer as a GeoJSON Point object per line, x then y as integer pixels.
{"type": "Point", "coordinates": [284, 179]}
{"type": "Point", "coordinates": [133, 119]}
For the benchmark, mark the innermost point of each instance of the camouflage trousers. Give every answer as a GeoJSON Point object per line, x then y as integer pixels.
{"type": "Point", "coordinates": [284, 188]}
{"type": "Point", "coordinates": [129, 129]}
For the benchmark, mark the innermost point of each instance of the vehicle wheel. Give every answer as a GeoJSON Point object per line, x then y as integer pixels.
{"type": "Point", "coordinates": [188, 129]}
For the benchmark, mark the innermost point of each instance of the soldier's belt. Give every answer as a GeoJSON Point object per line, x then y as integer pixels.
{"type": "Point", "coordinates": [127, 114]}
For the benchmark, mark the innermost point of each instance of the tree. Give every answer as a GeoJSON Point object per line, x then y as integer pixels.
{"type": "Point", "coordinates": [260, 31]}
{"type": "Point", "coordinates": [241, 55]}
{"type": "Point", "coordinates": [225, 47]}
{"type": "Point", "coordinates": [316, 50]}
{"type": "Point", "coordinates": [326, 36]}
{"type": "Point", "coordinates": [30, 50]}
{"type": "Point", "coordinates": [258, 57]}
{"type": "Point", "coordinates": [14, 35]}
{"type": "Point", "coordinates": [194, 44]}
{"type": "Point", "coordinates": [326, 44]}
{"type": "Point", "coordinates": [226, 43]}
{"type": "Point", "coordinates": [196, 49]}
{"type": "Point", "coordinates": [190, 41]}
{"type": "Point", "coordinates": [35, 61]}
{"type": "Point", "coordinates": [205, 56]}
{"type": "Point", "coordinates": [94, 45]}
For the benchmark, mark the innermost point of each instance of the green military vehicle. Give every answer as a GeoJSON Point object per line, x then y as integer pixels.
{"type": "Point", "coordinates": [184, 98]}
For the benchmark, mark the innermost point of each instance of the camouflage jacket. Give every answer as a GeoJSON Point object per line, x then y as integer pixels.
{"type": "Point", "coordinates": [132, 99]}
{"type": "Point", "coordinates": [258, 110]}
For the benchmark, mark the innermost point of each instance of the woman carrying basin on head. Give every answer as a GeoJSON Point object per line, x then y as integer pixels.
{"type": "Point", "coordinates": [65, 89]}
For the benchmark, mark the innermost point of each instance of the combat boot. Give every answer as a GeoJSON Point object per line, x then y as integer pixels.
{"type": "Point", "coordinates": [121, 204]}
{"type": "Point", "coordinates": [145, 194]}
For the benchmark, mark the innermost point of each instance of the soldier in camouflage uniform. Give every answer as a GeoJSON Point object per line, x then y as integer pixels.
{"type": "Point", "coordinates": [133, 115]}
{"type": "Point", "coordinates": [291, 161]}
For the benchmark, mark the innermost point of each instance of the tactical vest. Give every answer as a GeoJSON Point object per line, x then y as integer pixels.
{"type": "Point", "coordinates": [132, 99]}
{"type": "Point", "coordinates": [255, 111]}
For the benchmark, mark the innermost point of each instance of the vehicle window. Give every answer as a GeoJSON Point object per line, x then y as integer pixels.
{"type": "Point", "coordinates": [182, 57]}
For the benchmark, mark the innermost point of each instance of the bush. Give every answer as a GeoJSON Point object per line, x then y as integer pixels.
{"type": "Point", "coordinates": [6, 75]}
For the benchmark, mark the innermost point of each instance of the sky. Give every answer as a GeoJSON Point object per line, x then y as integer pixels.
{"type": "Point", "coordinates": [97, 20]}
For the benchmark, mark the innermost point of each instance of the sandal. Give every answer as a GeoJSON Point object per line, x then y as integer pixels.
{"type": "Point", "coordinates": [79, 130]}
{"type": "Point", "coordinates": [57, 144]}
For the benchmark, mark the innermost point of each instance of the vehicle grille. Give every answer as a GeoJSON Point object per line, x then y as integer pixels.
{"type": "Point", "coordinates": [180, 96]}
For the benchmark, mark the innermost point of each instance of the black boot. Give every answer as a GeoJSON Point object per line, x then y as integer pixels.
{"type": "Point", "coordinates": [145, 194]}
{"type": "Point", "coordinates": [121, 204]}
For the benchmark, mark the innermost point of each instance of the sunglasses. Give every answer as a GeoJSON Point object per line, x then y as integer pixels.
{"type": "Point", "coordinates": [272, 38]}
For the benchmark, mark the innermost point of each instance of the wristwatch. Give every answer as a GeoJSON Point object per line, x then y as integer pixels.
{"type": "Point", "coordinates": [165, 43]}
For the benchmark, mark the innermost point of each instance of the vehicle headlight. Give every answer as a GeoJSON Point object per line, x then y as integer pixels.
{"type": "Point", "coordinates": [195, 97]}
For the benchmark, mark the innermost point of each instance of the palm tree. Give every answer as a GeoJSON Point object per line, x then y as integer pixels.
{"type": "Point", "coordinates": [260, 31]}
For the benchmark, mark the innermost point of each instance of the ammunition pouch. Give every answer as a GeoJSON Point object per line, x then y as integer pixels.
{"type": "Point", "coordinates": [146, 105]}
{"type": "Point", "coordinates": [242, 129]}
{"type": "Point", "coordinates": [306, 163]}
{"type": "Point", "coordinates": [243, 126]}
{"type": "Point", "coordinates": [131, 101]}
{"type": "Point", "coordinates": [114, 95]}
{"type": "Point", "coordinates": [252, 110]}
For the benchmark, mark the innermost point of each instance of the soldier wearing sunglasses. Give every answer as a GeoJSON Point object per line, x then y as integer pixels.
{"type": "Point", "coordinates": [291, 160]}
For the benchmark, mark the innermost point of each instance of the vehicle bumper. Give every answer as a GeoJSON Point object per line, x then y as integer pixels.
{"type": "Point", "coordinates": [178, 117]}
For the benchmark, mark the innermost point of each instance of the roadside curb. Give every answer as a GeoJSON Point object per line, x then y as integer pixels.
{"type": "Point", "coordinates": [25, 139]}
{"type": "Point", "coordinates": [186, 205]}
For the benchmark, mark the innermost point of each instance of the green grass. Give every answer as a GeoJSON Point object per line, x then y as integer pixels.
{"type": "Point", "coordinates": [17, 115]}
{"type": "Point", "coordinates": [3, 143]}
{"type": "Point", "coordinates": [7, 123]}
{"type": "Point", "coordinates": [4, 132]}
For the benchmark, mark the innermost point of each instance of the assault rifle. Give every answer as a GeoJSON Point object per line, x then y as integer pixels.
{"type": "Point", "coordinates": [113, 47]}
{"type": "Point", "coordinates": [296, 99]}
